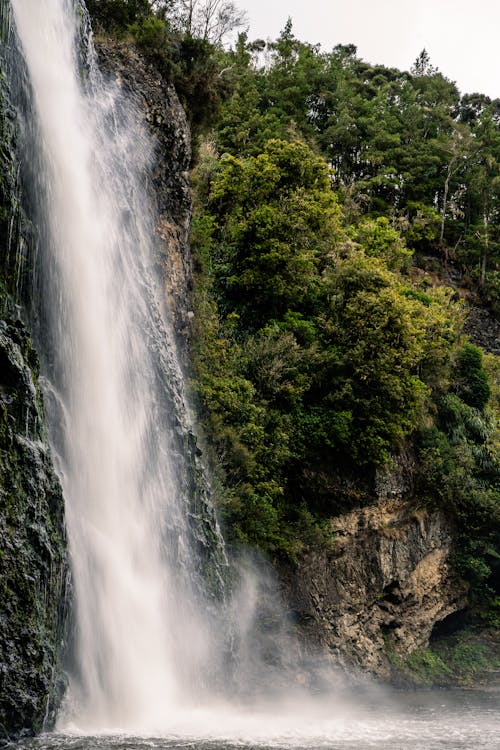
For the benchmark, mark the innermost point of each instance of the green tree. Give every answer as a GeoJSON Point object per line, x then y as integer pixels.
{"type": "Point", "coordinates": [385, 335]}
{"type": "Point", "coordinates": [471, 379]}
{"type": "Point", "coordinates": [208, 20]}
{"type": "Point", "coordinates": [484, 190]}
{"type": "Point", "coordinates": [279, 221]}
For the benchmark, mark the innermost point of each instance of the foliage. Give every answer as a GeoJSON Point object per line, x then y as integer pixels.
{"type": "Point", "coordinates": [326, 353]}
{"type": "Point", "coordinates": [389, 338]}
{"type": "Point", "coordinates": [381, 240]}
{"type": "Point", "coordinates": [460, 469]}
{"type": "Point", "coordinates": [319, 352]}
{"type": "Point", "coordinates": [280, 221]}
{"type": "Point", "coordinates": [400, 144]}
{"type": "Point", "coordinates": [463, 658]}
{"type": "Point", "coordinates": [116, 15]}
{"type": "Point", "coordinates": [325, 173]}
{"type": "Point", "coordinates": [472, 381]}
{"type": "Point", "coordinates": [428, 668]}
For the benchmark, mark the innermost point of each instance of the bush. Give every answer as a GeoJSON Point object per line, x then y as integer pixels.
{"type": "Point", "coordinates": [460, 469]}
{"type": "Point", "coordinates": [150, 34]}
{"type": "Point", "coordinates": [472, 386]}
{"type": "Point", "coordinates": [379, 239]}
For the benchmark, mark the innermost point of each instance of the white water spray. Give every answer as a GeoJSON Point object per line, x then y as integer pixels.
{"type": "Point", "coordinates": [139, 641]}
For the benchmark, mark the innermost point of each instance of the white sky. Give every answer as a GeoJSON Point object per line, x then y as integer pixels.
{"type": "Point", "coordinates": [462, 38]}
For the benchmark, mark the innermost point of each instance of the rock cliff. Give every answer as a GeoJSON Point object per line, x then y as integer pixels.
{"type": "Point", "coordinates": [380, 587]}
{"type": "Point", "coordinates": [32, 543]}
{"type": "Point", "coordinates": [33, 568]}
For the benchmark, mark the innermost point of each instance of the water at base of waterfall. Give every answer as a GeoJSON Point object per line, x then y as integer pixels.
{"type": "Point", "coordinates": [420, 720]}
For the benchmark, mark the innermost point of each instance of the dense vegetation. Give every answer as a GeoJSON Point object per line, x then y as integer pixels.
{"type": "Point", "coordinates": [328, 192]}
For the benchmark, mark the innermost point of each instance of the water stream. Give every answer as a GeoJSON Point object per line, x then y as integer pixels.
{"type": "Point", "coordinates": [149, 652]}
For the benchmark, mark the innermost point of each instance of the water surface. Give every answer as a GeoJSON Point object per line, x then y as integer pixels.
{"type": "Point", "coordinates": [423, 720]}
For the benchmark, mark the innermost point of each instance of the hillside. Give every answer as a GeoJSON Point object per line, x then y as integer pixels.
{"type": "Point", "coordinates": [345, 244]}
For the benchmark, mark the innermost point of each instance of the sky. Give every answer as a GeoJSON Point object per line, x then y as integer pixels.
{"type": "Point", "coordinates": [462, 38]}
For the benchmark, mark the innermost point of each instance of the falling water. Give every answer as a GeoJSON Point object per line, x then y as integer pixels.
{"type": "Point", "coordinates": [140, 644]}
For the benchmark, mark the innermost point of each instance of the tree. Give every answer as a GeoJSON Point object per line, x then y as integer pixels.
{"type": "Point", "coordinates": [210, 20]}
{"type": "Point", "coordinates": [483, 190]}
{"type": "Point", "coordinates": [278, 221]}
{"type": "Point", "coordinates": [243, 127]}
{"type": "Point", "coordinates": [457, 149]}
{"type": "Point", "coordinates": [422, 65]}
{"type": "Point", "coordinates": [388, 337]}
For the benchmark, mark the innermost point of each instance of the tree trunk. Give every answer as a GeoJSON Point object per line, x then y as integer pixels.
{"type": "Point", "coordinates": [484, 250]}
{"type": "Point", "coordinates": [445, 205]}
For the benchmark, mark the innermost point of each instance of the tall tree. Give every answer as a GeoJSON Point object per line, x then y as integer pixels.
{"type": "Point", "coordinates": [210, 20]}
{"type": "Point", "coordinates": [484, 188]}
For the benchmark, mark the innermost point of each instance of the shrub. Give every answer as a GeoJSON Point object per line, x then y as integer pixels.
{"type": "Point", "coordinates": [472, 386]}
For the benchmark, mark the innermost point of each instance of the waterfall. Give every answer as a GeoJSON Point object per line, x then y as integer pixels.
{"type": "Point", "coordinates": [113, 389]}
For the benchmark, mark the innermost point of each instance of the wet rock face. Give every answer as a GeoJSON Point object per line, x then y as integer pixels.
{"type": "Point", "coordinates": [170, 190]}
{"type": "Point", "coordinates": [32, 560]}
{"type": "Point", "coordinates": [33, 566]}
{"type": "Point", "coordinates": [384, 583]}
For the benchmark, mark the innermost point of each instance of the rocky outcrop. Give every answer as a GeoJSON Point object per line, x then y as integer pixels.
{"type": "Point", "coordinates": [170, 189]}
{"type": "Point", "coordinates": [380, 587]}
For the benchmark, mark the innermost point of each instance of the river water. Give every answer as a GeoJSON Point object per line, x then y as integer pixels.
{"type": "Point", "coordinates": [420, 720]}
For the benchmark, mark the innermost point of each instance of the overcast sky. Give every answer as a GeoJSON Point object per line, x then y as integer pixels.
{"type": "Point", "coordinates": [462, 38]}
